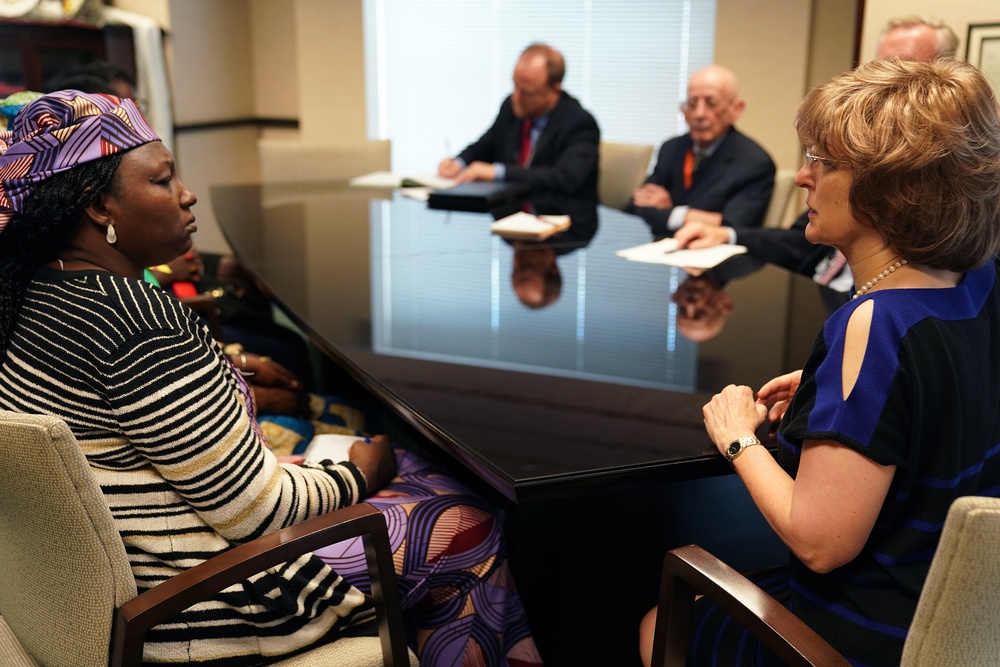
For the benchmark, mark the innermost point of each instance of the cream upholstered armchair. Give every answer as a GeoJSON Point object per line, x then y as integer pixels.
{"type": "Point", "coordinates": [955, 622]}
{"type": "Point", "coordinates": [783, 193]}
{"type": "Point", "coordinates": [622, 168]}
{"type": "Point", "coordinates": [67, 595]}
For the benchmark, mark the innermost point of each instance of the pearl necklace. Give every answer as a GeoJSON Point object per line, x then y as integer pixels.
{"type": "Point", "coordinates": [871, 283]}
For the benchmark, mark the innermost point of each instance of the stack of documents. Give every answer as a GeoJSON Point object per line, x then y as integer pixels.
{"type": "Point", "coordinates": [386, 179]}
{"type": "Point", "coordinates": [666, 252]}
{"type": "Point", "coordinates": [523, 225]}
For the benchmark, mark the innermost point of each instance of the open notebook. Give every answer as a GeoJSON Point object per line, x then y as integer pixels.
{"type": "Point", "coordinates": [526, 226]}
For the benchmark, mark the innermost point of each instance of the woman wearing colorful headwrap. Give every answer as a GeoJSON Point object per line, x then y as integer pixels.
{"type": "Point", "coordinates": [89, 197]}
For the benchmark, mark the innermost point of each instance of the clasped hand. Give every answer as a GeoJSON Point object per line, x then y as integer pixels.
{"type": "Point", "coordinates": [651, 195]}
{"type": "Point", "coordinates": [734, 413]}
{"type": "Point", "coordinates": [276, 390]}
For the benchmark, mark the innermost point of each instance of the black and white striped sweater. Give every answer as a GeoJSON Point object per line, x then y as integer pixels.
{"type": "Point", "coordinates": [158, 412]}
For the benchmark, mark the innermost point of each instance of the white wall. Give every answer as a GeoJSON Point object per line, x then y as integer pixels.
{"type": "Point", "coordinates": [275, 59]}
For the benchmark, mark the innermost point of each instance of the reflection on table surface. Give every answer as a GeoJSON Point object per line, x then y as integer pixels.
{"type": "Point", "coordinates": [539, 365]}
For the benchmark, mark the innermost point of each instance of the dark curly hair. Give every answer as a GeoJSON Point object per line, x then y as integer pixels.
{"type": "Point", "coordinates": [50, 218]}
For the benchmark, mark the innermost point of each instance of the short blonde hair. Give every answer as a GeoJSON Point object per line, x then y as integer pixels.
{"type": "Point", "coordinates": [922, 141]}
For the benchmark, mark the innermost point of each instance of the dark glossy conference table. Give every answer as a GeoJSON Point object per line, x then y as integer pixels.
{"type": "Point", "coordinates": [580, 413]}
{"type": "Point", "coordinates": [600, 387]}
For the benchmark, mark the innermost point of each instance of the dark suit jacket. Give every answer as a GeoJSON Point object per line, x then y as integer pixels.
{"type": "Point", "coordinates": [736, 180]}
{"type": "Point", "coordinates": [565, 157]}
{"type": "Point", "coordinates": [789, 249]}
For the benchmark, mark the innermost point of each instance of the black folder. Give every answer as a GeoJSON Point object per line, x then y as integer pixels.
{"type": "Point", "coordinates": [477, 196]}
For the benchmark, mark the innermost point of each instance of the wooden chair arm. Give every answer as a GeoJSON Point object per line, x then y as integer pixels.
{"type": "Point", "coordinates": [162, 602]}
{"type": "Point", "coordinates": [690, 570]}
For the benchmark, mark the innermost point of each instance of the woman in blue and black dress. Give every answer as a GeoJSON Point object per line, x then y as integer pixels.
{"type": "Point", "coordinates": [895, 413]}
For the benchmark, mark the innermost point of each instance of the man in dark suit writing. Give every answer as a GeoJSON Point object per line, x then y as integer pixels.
{"type": "Point", "coordinates": [542, 136]}
{"type": "Point", "coordinates": [714, 174]}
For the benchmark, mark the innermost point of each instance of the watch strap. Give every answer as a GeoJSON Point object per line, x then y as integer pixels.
{"type": "Point", "coordinates": [737, 446]}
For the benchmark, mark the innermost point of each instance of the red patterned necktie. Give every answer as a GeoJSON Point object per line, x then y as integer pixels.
{"type": "Point", "coordinates": [525, 142]}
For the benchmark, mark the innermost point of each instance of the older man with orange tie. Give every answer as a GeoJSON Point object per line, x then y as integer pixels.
{"type": "Point", "coordinates": [714, 174]}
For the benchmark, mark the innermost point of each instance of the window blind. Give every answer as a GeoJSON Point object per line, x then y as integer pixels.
{"type": "Point", "coordinates": [437, 70]}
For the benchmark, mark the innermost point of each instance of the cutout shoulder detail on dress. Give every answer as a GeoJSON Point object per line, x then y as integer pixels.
{"type": "Point", "coordinates": [855, 345]}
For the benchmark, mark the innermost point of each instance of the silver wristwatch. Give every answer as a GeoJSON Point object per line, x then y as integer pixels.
{"type": "Point", "coordinates": [736, 447]}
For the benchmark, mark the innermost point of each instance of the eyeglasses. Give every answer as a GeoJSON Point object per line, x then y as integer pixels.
{"type": "Point", "coordinates": [711, 103]}
{"type": "Point", "coordinates": [826, 163]}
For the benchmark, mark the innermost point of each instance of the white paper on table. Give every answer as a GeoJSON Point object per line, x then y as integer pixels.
{"type": "Point", "coordinates": [666, 252]}
{"type": "Point", "coordinates": [387, 179]}
{"type": "Point", "coordinates": [376, 179]}
{"type": "Point", "coordinates": [329, 446]}
{"type": "Point", "coordinates": [420, 194]}
{"type": "Point", "coordinates": [432, 181]}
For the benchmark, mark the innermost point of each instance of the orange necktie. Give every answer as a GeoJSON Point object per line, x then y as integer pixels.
{"type": "Point", "coordinates": [688, 169]}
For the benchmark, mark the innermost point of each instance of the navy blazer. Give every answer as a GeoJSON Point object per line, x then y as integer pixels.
{"type": "Point", "coordinates": [790, 249]}
{"type": "Point", "coordinates": [736, 180]}
{"type": "Point", "coordinates": [565, 157]}
{"type": "Point", "coordinates": [787, 248]}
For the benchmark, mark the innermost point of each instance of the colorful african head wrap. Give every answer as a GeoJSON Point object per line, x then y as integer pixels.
{"type": "Point", "coordinates": [59, 131]}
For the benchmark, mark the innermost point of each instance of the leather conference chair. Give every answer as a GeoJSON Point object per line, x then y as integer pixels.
{"type": "Point", "coordinates": [622, 168]}
{"type": "Point", "coordinates": [777, 208]}
{"type": "Point", "coordinates": [67, 594]}
{"type": "Point", "coordinates": [955, 622]}
{"type": "Point", "coordinates": [296, 162]}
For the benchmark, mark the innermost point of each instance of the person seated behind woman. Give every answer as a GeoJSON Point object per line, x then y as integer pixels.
{"type": "Point", "coordinates": [893, 415]}
{"type": "Point", "coordinates": [237, 312]}
{"type": "Point", "coordinates": [90, 197]}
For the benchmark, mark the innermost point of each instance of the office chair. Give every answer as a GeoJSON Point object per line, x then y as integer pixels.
{"type": "Point", "coordinates": [622, 168]}
{"type": "Point", "coordinates": [67, 594]}
{"type": "Point", "coordinates": [777, 208]}
{"type": "Point", "coordinates": [955, 622]}
{"type": "Point", "coordinates": [285, 161]}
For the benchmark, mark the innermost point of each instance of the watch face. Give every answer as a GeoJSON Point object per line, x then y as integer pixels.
{"type": "Point", "coordinates": [734, 448]}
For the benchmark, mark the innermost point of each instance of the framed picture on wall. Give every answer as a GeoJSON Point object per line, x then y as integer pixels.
{"type": "Point", "coordinates": [983, 50]}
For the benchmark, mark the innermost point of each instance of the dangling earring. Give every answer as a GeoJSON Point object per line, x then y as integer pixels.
{"type": "Point", "coordinates": [112, 237]}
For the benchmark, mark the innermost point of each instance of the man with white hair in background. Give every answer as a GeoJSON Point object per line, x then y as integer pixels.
{"type": "Point", "coordinates": [917, 38]}
{"type": "Point", "coordinates": [714, 174]}
{"type": "Point", "coordinates": [908, 38]}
